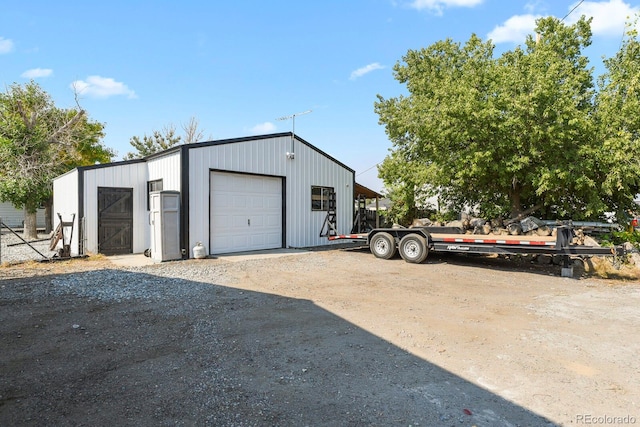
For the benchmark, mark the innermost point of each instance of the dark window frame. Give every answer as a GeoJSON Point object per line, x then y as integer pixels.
{"type": "Point", "coordinates": [321, 201]}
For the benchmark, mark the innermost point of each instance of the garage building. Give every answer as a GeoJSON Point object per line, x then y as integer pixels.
{"type": "Point", "coordinates": [242, 194]}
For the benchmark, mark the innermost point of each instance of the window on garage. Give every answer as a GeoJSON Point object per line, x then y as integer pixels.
{"type": "Point", "coordinates": [320, 198]}
{"type": "Point", "coordinates": [155, 185]}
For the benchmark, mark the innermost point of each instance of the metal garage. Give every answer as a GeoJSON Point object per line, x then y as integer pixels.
{"type": "Point", "coordinates": [235, 195]}
{"type": "Point", "coordinates": [246, 212]}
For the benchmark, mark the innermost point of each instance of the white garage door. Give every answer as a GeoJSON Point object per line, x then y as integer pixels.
{"type": "Point", "coordinates": [246, 212]}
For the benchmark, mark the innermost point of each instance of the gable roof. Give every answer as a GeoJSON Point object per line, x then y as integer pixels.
{"type": "Point", "coordinates": [215, 142]}
{"type": "Point", "coordinates": [258, 137]}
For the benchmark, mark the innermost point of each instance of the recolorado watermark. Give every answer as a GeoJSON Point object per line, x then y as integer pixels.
{"type": "Point", "coordinates": [603, 420]}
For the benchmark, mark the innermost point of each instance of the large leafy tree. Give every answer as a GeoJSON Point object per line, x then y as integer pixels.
{"type": "Point", "coordinates": [617, 126]}
{"type": "Point", "coordinates": [510, 135]}
{"type": "Point", "coordinates": [39, 141]}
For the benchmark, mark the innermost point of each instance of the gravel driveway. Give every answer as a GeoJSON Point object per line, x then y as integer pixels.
{"type": "Point", "coordinates": [13, 250]}
{"type": "Point", "coordinates": [325, 338]}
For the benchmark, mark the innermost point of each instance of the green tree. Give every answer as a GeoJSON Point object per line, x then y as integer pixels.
{"type": "Point", "coordinates": [167, 138]}
{"type": "Point", "coordinates": [511, 134]}
{"type": "Point", "coordinates": [39, 141]}
{"type": "Point", "coordinates": [158, 141]}
{"type": "Point", "coordinates": [617, 127]}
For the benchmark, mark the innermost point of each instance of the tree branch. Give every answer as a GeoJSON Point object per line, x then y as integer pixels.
{"type": "Point", "coordinates": [63, 128]}
{"type": "Point", "coordinates": [23, 114]}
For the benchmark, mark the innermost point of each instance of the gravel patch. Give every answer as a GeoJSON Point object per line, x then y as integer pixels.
{"type": "Point", "coordinates": [10, 254]}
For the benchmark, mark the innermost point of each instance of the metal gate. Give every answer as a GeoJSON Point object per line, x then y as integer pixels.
{"type": "Point", "coordinates": [115, 220]}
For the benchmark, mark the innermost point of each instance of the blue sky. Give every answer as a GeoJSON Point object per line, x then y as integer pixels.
{"type": "Point", "coordinates": [239, 65]}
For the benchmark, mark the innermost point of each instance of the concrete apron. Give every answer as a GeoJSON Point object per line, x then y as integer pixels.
{"type": "Point", "coordinates": [139, 260]}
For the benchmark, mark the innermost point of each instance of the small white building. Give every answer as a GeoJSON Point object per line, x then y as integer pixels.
{"type": "Point", "coordinates": [241, 194]}
{"type": "Point", "coordinates": [14, 218]}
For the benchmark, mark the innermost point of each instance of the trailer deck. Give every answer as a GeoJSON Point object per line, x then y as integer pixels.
{"type": "Point", "coordinates": [414, 244]}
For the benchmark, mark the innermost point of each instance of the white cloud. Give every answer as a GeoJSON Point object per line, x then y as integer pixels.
{"type": "Point", "coordinates": [609, 17]}
{"type": "Point", "coordinates": [6, 45]}
{"type": "Point", "coordinates": [536, 7]}
{"type": "Point", "coordinates": [437, 6]}
{"type": "Point", "coordinates": [102, 87]}
{"type": "Point", "coordinates": [514, 29]}
{"type": "Point", "coordinates": [265, 127]}
{"type": "Point", "coordinates": [365, 70]}
{"type": "Point", "coordinates": [37, 73]}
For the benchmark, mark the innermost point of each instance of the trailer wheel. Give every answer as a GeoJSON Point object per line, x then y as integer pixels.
{"type": "Point", "coordinates": [383, 245]}
{"type": "Point", "coordinates": [413, 248]}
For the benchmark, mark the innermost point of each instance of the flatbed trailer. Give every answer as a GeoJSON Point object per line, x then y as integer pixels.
{"type": "Point", "coordinates": [414, 244]}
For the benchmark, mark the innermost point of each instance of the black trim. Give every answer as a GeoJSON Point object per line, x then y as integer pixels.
{"type": "Point", "coordinates": [108, 165]}
{"type": "Point", "coordinates": [284, 211]}
{"type": "Point", "coordinates": [81, 237]}
{"type": "Point", "coordinates": [243, 173]}
{"type": "Point", "coordinates": [184, 196]}
{"type": "Point", "coordinates": [352, 214]}
{"type": "Point", "coordinates": [163, 153]}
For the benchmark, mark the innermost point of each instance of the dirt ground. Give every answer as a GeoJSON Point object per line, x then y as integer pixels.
{"type": "Point", "coordinates": [320, 338]}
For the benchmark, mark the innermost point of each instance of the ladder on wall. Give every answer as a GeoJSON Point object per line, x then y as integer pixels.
{"type": "Point", "coordinates": [329, 227]}
{"type": "Point", "coordinates": [360, 221]}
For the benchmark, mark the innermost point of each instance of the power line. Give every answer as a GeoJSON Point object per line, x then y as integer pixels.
{"type": "Point", "coordinates": [368, 169]}
{"type": "Point", "coordinates": [571, 11]}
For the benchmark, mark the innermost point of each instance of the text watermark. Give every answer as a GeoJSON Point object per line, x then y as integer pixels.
{"type": "Point", "coordinates": [616, 420]}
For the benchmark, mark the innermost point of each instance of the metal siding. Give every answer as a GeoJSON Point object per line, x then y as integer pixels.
{"type": "Point", "coordinates": [65, 203]}
{"type": "Point", "coordinates": [311, 168]}
{"type": "Point", "coordinates": [134, 176]}
{"type": "Point", "coordinates": [268, 157]}
{"type": "Point", "coordinates": [14, 217]}
{"type": "Point", "coordinates": [166, 168]}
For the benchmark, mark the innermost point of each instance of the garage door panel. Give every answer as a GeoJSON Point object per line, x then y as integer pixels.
{"type": "Point", "coordinates": [239, 243]}
{"type": "Point", "coordinates": [273, 203]}
{"type": "Point", "coordinates": [272, 238]}
{"type": "Point", "coordinates": [258, 202]}
{"type": "Point", "coordinates": [222, 221]}
{"type": "Point", "coordinates": [273, 221]}
{"type": "Point", "coordinates": [272, 186]}
{"type": "Point", "coordinates": [223, 202]}
{"type": "Point", "coordinates": [239, 201]}
{"type": "Point", "coordinates": [239, 222]}
{"type": "Point", "coordinates": [246, 212]}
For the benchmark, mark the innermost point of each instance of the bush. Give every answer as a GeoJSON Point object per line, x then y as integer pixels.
{"type": "Point", "coordinates": [620, 237]}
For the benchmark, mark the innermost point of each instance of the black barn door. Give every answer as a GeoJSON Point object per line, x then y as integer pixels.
{"type": "Point", "coordinates": [115, 220]}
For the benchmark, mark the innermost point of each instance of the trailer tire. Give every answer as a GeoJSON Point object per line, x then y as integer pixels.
{"type": "Point", "coordinates": [413, 248]}
{"type": "Point", "coordinates": [383, 245]}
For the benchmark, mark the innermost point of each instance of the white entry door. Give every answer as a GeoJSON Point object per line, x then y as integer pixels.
{"type": "Point", "coordinates": [246, 212]}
